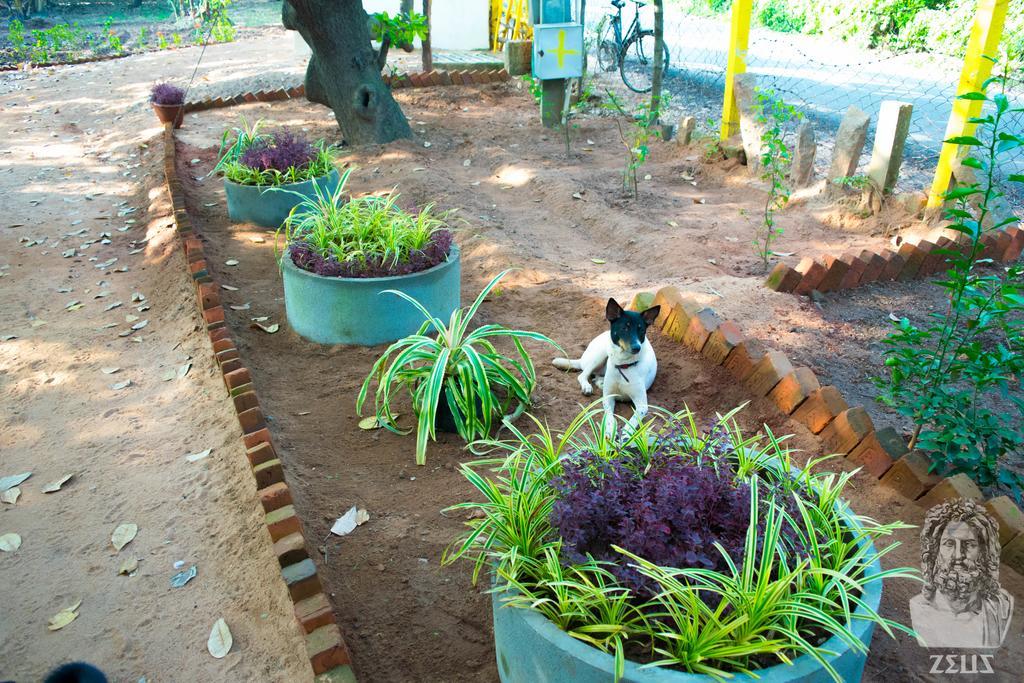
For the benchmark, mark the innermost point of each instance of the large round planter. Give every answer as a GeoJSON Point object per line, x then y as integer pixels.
{"type": "Point", "coordinates": [269, 206]}
{"type": "Point", "coordinates": [169, 112]}
{"type": "Point", "coordinates": [530, 649]}
{"type": "Point", "coordinates": [337, 310]}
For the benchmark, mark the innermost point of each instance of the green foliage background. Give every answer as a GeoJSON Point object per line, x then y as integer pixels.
{"type": "Point", "coordinates": [926, 25]}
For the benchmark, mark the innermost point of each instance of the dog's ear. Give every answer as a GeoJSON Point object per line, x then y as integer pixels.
{"type": "Point", "coordinates": [651, 314]}
{"type": "Point", "coordinates": [613, 311]}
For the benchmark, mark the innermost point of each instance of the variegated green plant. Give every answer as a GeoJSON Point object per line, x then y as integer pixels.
{"type": "Point", "coordinates": [451, 363]}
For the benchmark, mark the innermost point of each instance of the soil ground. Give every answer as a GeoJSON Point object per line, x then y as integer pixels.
{"type": "Point", "coordinates": [81, 156]}
{"type": "Point", "coordinates": [524, 204]}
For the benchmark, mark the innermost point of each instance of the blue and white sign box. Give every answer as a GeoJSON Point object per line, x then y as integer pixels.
{"type": "Point", "coordinates": [557, 51]}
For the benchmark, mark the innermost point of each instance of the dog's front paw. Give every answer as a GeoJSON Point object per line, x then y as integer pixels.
{"type": "Point", "coordinates": [586, 387]}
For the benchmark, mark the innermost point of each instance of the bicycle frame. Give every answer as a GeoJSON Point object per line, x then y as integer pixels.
{"type": "Point", "coordinates": [634, 27]}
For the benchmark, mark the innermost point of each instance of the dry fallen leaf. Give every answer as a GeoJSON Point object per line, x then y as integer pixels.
{"type": "Point", "coordinates": [269, 329]}
{"type": "Point", "coordinates": [347, 523]}
{"type": "Point", "coordinates": [123, 535]}
{"type": "Point", "coordinates": [13, 480]}
{"type": "Point", "coordinates": [598, 261]}
{"type": "Point", "coordinates": [183, 370]}
{"type": "Point", "coordinates": [64, 617]}
{"type": "Point", "coordinates": [219, 642]}
{"type": "Point", "coordinates": [169, 374]}
{"type": "Point", "coordinates": [198, 456]}
{"type": "Point", "coordinates": [54, 486]}
{"type": "Point", "coordinates": [109, 371]}
{"type": "Point", "coordinates": [239, 307]}
{"type": "Point", "coordinates": [229, 288]}
{"type": "Point", "coordinates": [10, 496]}
{"type": "Point", "coordinates": [372, 422]}
{"type": "Point", "coordinates": [128, 566]}
{"type": "Point", "coordinates": [231, 262]}
{"type": "Point", "coordinates": [121, 385]}
{"type": "Point", "coordinates": [10, 542]}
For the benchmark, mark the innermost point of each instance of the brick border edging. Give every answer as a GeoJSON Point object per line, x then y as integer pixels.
{"type": "Point", "coordinates": [325, 645]}
{"type": "Point", "coordinates": [923, 257]}
{"type": "Point", "coordinates": [843, 430]}
{"type": "Point", "coordinates": [418, 79]}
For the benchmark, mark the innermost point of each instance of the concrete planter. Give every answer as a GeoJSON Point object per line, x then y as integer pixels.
{"type": "Point", "coordinates": [335, 310]}
{"type": "Point", "coordinates": [530, 649]}
{"type": "Point", "coordinates": [269, 206]}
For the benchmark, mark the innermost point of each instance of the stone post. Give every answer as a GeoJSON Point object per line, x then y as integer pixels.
{"type": "Point", "coordinates": [853, 132]}
{"type": "Point", "coordinates": [803, 158]}
{"type": "Point", "coordinates": [751, 130]}
{"type": "Point", "coordinates": [890, 138]}
{"type": "Point", "coordinates": [518, 55]}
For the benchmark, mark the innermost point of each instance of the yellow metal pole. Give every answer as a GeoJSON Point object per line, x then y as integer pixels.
{"type": "Point", "coordinates": [736, 63]}
{"type": "Point", "coordinates": [985, 34]}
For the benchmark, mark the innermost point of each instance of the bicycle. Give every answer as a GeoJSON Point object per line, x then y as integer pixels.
{"type": "Point", "coordinates": [632, 54]}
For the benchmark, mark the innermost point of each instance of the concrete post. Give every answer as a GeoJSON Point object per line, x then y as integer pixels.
{"type": "Point", "coordinates": [803, 157]}
{"type": "Point", "coordinates": [853, 133]}
{"type": "Point", "coordinates": [890, 138]}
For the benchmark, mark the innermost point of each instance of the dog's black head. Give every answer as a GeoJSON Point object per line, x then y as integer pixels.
{"type": "Point", "coordinates": [629, 328]}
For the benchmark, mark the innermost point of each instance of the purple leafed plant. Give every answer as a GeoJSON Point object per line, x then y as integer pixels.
{"type": "Point", "coordinates": [307, 258]}
{"type": "Point", "coordinates": [166, 94]}
{"type": "Point", "coordinates": [284, 151]}
{"type": "Point", "coordinates": [671, 513]}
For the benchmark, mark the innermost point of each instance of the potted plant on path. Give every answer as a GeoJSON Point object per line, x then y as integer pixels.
{"type": "Point", "coordinates": [457, 379]}
{"type": "Point", "coordinates": [340, 254]}
{"type": "Point", "coordinates": [678, 556]}
{"type": "Point", "coordinates": [168, 101]}
{"type": "Point", "coordinates": [266, 175]}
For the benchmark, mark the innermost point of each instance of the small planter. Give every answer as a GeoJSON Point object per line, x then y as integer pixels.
{"type": "Point", "coordinates": [170, 112]}
{"type": "Point", "coordinates": [337, 310]}
{"type": "Point", "coordinates": [269, 206]}
{"type": "Point", "coordinates": [530, 649]}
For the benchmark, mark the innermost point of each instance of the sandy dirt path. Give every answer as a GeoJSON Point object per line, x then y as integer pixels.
{"type": "Point", "coordinates": [85, 218]}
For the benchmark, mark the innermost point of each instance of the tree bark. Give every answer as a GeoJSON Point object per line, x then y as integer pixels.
{"type": "Point", "coordinates": [426, 51]}
{"type": "Point", "coordinates": [343, 72]}
{"type": "Point", "coordinates": [659, 58]}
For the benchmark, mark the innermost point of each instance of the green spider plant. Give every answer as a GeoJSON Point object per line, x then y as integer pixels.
{"type": "Point", "coordinates": [775, 602]}
{"type": "Point", "coordinates": [245, 136]}
{"type": "Point", "coordinates": [463, 368]}
{"type": "Point", "coordinates": [361, 230]}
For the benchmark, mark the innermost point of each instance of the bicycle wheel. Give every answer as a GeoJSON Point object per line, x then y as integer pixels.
{"type": "Point", "coordinates": [636, 63]}
{"type": "Point", "coordinates": [607, 50]}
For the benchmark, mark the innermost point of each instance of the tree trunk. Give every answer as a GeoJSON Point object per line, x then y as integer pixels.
{"type": "Point", "coordinates": [427, 52]}
{"type": "Point", "coordinates": [659, 59]}
{"type": "Point", "coordinates": [343, 72]}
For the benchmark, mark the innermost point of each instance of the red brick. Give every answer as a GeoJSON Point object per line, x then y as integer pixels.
{"type": "Point", "coordinates": [950, 488]}
{"type": "Point", "coordinates": [249, 97]}
{"type": "Point", "coordinates": [930, 259]}
{"type": "Point", "coordinates": [245, 401]}
{"type": "Point", "coordinates": [857, 268]}
{"type": "Point", "coordinates": [913, 257]}
{"type": "Point", "coordinates": [722, 341]}
{"type": "Point", "coordinates": [1008, 516]}
{"type": "Point", "coordinates": [326, 649]}
{"type": "Point", "coordinates": [223, 344]}
{"type": "Point", "coordinates": [936, 260]}
{"type": "Point", "coordinates": [503, 75]}
{"type": "Point", "coordinates": [876, 264]}
{"type": "Point", "coordinates": [290, 549]}
{"type": "Point", "coordinates": [261, 453]}
{"type": "Point", "coordinates": [243, 389]}
{"type": "Point", "coordinates": [192, 245]}
{"type": "Point", "coordinates": [820, 408]}
{"type": "Point", "coordinates": [314, 612]}
{"type": "Point", "coordinates": [909, 476]}
{"type": "Point", "coordinates": [268, 472]}
{"type": "Point", "coordinates": [768, 372]}
{"type": "Point", "coordinates": [282, 522]}
{"type": "Point", "coordinates": [794, 388]}
{"type": "Point", "coordinates": [214, 315]}
{"type": "Point", "coordinates": [257, 437]}
{"type": "Point", "coordinates": [846, 431]}
{"type": "Point", "coordinates": [996, 245]}
{"type": "Point", "coordinates": [301, 579]}
{"type": "Point", "coordinates": [209, 295]}
{"type": "Point", "coordinates": [744, 358]}
{"type": "Point", "coordinates": [225, 355]}
{"type": "Point", "coordinates": [231, 365]}
{"type": "Point", "coordinates": [835, 270]}
{"type": "Point", "coordinates": [1013, 252]}
{"type": "Point", "coordinates": [813, 273]}
{"type": "Point", "coordinates": [296, 91]}
{"type": "Point", "coordinates": [893, 265]}
{"type": "Point", "coordinates": [667, 298]}
{"type": "Point", "coordinates": [237, 378]}
{"type": "Point", "coordinates": [446, 78]}
{"type": "Point", "coordinates": [251, 420]}
{"type": "Point", "coordinates": [679, 320]}
{"type": "Point", "coordinates": [218, 334]}
{"type": "Point", "coordinates": [783, 278]}
{"type": "Point", "coordinates": [197, 267]}
{"type": "Point", "coordinates": [700, 328]}
{"type": "Point", "coordinates": [435, 78]}
{"type": "Point", "coordinates": [878, 450]}
{"type": "Point", "coordinates": [1013, 554]}
{"type": "Point", "coordinates": [275, 496]}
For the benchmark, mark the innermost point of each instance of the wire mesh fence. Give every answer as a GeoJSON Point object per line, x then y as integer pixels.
{"type": "Point", "coordinates": [822, 77]}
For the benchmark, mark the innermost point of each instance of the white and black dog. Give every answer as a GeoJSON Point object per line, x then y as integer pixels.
{"type": "Point", "coordinates": [626, 358]}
